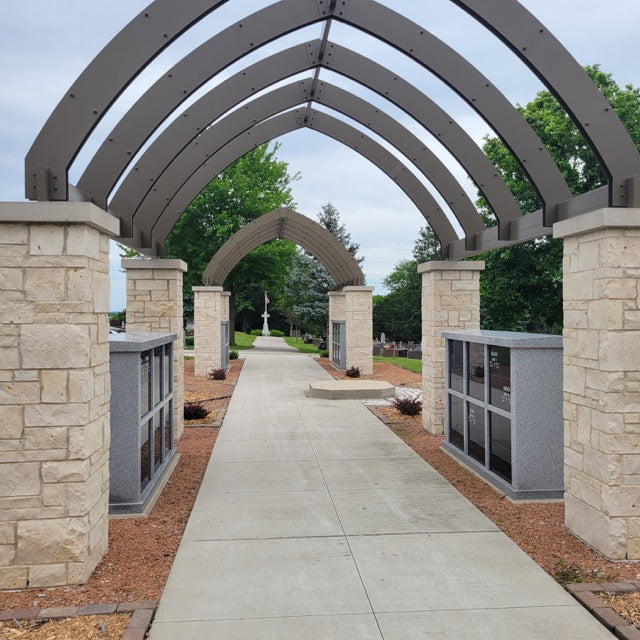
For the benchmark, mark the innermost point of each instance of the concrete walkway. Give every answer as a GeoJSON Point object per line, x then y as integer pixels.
{"type": "Point", "coordinates": [315, 522]}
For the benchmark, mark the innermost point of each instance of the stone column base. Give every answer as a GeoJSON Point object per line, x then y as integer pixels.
{"type": "Point", "coordinates": [210, 309]}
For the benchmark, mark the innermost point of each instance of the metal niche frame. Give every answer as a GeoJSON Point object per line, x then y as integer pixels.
{"type": "Point", "coordinates": [163, 21]}
{"type": "Point", "coordinates": [285, 223]}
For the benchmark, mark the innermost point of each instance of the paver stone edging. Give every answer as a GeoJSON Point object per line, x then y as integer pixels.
{"type": "Point", "coordinates": [586, 593]}
{"type": "Point", "coordinates": [142, 613]}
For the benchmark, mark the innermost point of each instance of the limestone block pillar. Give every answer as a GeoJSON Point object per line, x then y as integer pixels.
{"type": "Point", "coordinates": [210, 310]}
{"type": "Point", "coordinates": [358, 310]}
{"type": "Point", "coordinates": [601, 290]}
{"type": "Point", "coordinates": [352, 306]}
{"type": "Point", "coordinates": [450, 302]}
{"type": "Point", "coordinates": [154, 303]}
{"type": "Point", "coordinates": [54, 391]}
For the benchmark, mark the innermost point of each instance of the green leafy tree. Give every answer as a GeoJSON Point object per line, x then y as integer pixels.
{"type": "Point", "coordinates": [398, 314]}
{"type": "Point", "coordinates": [521, 287]}
{"type": "Point", "coordinates": [253, 185]}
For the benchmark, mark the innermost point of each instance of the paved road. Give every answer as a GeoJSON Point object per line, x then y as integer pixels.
{"type": "Point", "coordinates": [315, 522]}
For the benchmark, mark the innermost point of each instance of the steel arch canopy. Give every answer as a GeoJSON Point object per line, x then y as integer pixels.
{"type": "Point", "coordinates": [279, 126]}
{"type": "Point", "coordinates": [289, 15]}
{"type": "Point", "coordinates": [109, 74]}
{"type": "Point", "coordinates": [289, 224]}
{"type": "Point", "coordinates": [141, 179]}
{"type": "Point", "coordinates": [291, 95]}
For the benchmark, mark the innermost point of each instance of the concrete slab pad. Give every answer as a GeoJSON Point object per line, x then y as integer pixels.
{"type": "Point", "coordinates": [242, 579]}
{"type": "Point", "coordinates": [287, 514]}
{"type": "Point", "coordinates": [409, 473]}
{"type": "Point", "coordinates": [425, 572]}
{"type": "Point", "coordinates": [396, 510]}
{"type": "Point", "coordinates": [236, 431]}
{"type": "Point", "coordinates": [251, 477]}
{"type": "Point", "coordinates": [350, 389]}
{"type": "Point", "coordinates": [570, 622]}
{"type": "Point", "coordinates": [264, 450]}
{"type": "Point", "coordinates": [361, 448]}
{"type": "Point", "coordinates": [363, 627]}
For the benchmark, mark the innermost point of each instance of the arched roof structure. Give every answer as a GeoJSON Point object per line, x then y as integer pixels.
{"type": "Point", "coordinates": [169, 174]}
{"type": "Point", "coordinates": [285, 223]}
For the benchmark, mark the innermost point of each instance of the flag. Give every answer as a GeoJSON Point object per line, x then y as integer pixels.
{"type": "Point", "coordinates": [266, 299]}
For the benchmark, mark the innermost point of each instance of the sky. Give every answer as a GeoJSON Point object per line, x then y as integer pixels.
{"type": "Point", "coordinates": [45, 45]}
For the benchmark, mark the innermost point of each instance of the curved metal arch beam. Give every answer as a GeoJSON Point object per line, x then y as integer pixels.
{"type": "Point", "coordinates": [286, 123]}
{"type": "Point", "coordinates": [98, 87]}
{"type": "Point", "coordinates": [284, 98]}
{"type": "Point", "coordinates": [145, 37]}
{"type": "Point", "coordinates": [191, 123]}
{"type": "Point", "coordinates": [288, 15]}
{"type": "Point", "coordinates": [144, 175]}
{"type": "Point", "coordinates": [285, 223]}
{"type": "Point", "coordinates": [550, 61]}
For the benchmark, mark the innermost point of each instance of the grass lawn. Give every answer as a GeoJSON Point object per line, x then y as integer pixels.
{"type": "Point", "coordinates": [298, 344]}
{"type": "Point", "coordinates": [243, 341]}
{"type": "Point", "coordinates": [404, 363]}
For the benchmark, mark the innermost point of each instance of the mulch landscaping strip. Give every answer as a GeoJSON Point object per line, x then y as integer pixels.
{"type": "Point", "coordinates": [142, 613]}
{"type": "Point", "coordinates": [588, 595]}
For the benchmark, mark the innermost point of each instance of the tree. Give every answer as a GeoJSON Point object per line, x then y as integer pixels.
{"type": "Point", "coordinates": [253, 185]}
{"type": "Point", "coordinates": [304, 301]}
{"type": "Point", "coordinates": [399, 313]}
{"type": "Point", "coordinates": [521, 287]}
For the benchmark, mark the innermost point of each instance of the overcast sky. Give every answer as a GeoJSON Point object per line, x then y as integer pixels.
{"type": "Point", "coordinates": [45, 44]}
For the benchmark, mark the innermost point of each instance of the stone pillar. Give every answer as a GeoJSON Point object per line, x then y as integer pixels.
{"type": "Point", "coordinates": [54, 391]}
{"type": "Point", "coordinates": [358, 310]}
{"type": "Point", "coordinates": [354, 307]}
{"type": "Point", "coordinates": [154, 303]}
{"type": "Point", "coordinates": [450, 302]}
{"type": "Point", "coordinates": [601, 289]}
{"type": "Point", "coordinates": [210, 309]}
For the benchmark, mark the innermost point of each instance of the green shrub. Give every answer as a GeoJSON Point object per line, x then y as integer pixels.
{"type": "Point", "coordinates": [218, 374]}
{"type": "Point", "coordinates": [188, 341]}
{"type": "Point", "coordinates": [276, 333]}
{"type": "Point", "coordinates": [408, 406]}
{"type": "Point", "coordinates": [324, 354]}
{"type": "Point", "coordinates": [233, 355]}
{"type": "Point", "coordinates": [256, 332]}
{"type": "Point", "coordinates": [353, 372]}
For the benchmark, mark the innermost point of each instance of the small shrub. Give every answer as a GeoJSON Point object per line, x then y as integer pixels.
{"type": "Point", "coordinates": [218, 374]}
{"type": "Point", "coordinates": [276, 333]}
{"type": "Point", "coordinates": [188, 341]}
{"type": "Point", "coordinates": [408, 406]}
{"type": "Point", "coordinates": [233, 355]}
{"type": "Point", "coordinates": [194, 411]}
{"type": "Point", "coordinates": [324, 353]}
{"type": "Point", "coordinates": [256, 332]}
{"type": "Point", "coordinates": [353, 372]}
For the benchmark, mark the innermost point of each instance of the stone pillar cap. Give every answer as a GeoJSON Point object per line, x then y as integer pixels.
{"type": "Point", "coordinates": [154, 263]}
{"type": "Point", "coordinates": [451, 265]}
{"type": "Point", "coordinates": [60, 213]}
{"type": "Point", "coordinates": [617, 217]}
{"type": "Point", "coordinates": [357, 288]}
{"type": "Point", "coordinates": [205, 289]}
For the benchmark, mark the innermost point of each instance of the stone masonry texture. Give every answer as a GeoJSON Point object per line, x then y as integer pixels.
{"type": "Point", "coordinates": [154, 304]}
{"type": "Point", "coordinates": [602, 381]}
{"type": "Point", "coordinates": [210, 309]}
{"type": "Point", "coordinates": [450, 302]}
{"type": "Point", "coordinates": [54, 401]}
